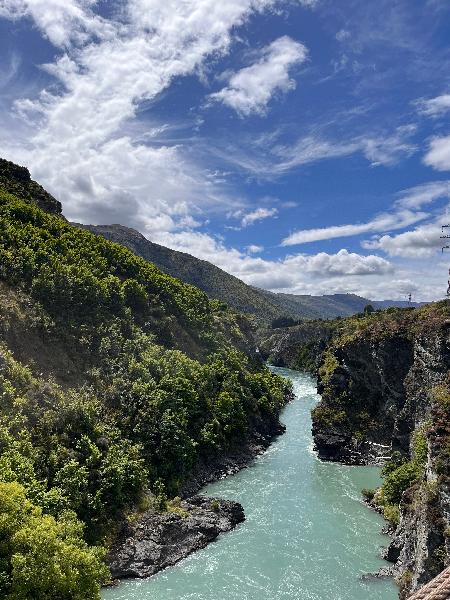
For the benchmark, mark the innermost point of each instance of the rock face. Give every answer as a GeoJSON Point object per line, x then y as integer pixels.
{"type": "Point", "coordinates": [157, 541]}
{"type": "Point", "coordinates": [361, 416]}
{"type": "Point", "coordinates": [378, 379]}
{"type": "Point", "coordinates": [297, 347]}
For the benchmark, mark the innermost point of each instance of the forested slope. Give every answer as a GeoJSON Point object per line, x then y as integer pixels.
{"type": "Point", "coordinates": [116, 380]}
{"type": "Point", "coordinates": [263, 306]}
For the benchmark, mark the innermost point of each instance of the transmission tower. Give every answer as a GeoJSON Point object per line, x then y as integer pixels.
{"type": "Point", "coordinates": [446, 236]}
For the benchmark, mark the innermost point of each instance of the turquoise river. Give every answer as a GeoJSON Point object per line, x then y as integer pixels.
{"type": "Point", "coordinates": [307, 534]}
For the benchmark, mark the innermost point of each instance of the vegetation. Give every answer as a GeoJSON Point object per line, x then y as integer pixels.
{"type": "Point", "coordinates": [42, 557]}
{"type": "Point", "coordinates": [132, 377]}
{"type": "Point", "coordinates": [400, 473]}
{"type": "Point", "coordinates": [266, 308]}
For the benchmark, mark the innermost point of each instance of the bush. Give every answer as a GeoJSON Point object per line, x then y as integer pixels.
{"type": "Point", "coordinates": [44, 558]}
{"type": "Point", "coordinates": [368, 494]}
{"type": "Point", "coordinates": [400, 480]}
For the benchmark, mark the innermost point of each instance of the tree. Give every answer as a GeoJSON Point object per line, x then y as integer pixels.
{"type": "Point", "coordinates": [42, 558]}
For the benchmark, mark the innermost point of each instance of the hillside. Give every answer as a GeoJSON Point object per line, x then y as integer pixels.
{"type": "Point", "coordinates": [213, 281]}
{"type": "Point", "coordinates": [17, 180]}
{"type": "Point", "coordinates": [263, 305]}
{"type": "Point", "coordinates": [118, 382]}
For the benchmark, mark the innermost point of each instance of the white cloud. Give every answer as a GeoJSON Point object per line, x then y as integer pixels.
{"type": "Point", "coordinates": [258, 215]}
{"type": "Point", "coordinates": [383, 222]}
{"type": "Point", "coordinates": [62, 21]}
{"type": "Point", "coordinates": [343, 263]}
{"type": "Point", "coordinates": [274, 160]}
{"type": "Point", "coordinates": [405, 212]}
{"type": "Point", "coordinates": [434, 107]}
{"type": "Point", "coordinates": [254, 249]}
{"type": "Point", "coordinates": [438, 155]}
{"type": "Point", "coordinates": [422, 242]}
{"type": "Point", "coordinates": [390, 149]}
{"type": "Point", "coordinates": [420, 195]}
{"type": "Point", "coordinates": [84, 141]}
{"type": "Point", "coordinates": [251, 89]}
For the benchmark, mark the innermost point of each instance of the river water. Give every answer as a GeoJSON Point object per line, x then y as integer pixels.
{"type": "Point", "coordinates": [307, 534]}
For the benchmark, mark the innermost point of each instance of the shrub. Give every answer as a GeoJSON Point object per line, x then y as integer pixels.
{"type": "Point", "coordinates": [41, 557]}
{"type": "Point", "coordinates": [400, 480]}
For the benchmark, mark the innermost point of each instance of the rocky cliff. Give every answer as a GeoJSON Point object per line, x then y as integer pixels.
{"type": "Point", "coordinates": [297, 347]}
{"type": "Point", "coordinates": [384, 379]}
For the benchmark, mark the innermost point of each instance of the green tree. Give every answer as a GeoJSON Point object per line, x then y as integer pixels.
{"type": "Point", "coordinates": [42, 558]}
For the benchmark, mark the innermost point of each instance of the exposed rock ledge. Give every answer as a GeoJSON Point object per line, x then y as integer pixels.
{"type": "Point", "coordinates": [157, 541]}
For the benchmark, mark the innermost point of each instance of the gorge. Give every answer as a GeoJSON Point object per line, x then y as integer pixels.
{"type": "Point", "coordinates": [307, 533]}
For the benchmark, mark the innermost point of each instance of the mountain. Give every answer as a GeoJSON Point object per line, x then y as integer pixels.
{"type": "Point", "coordinates": [329, 306]}
{"type": "Point", "coordinates": [214, 281]}
{"type": "Point", "coordinates": [263, 305]}
{"type": "Point", "coordinates": [120, 387]}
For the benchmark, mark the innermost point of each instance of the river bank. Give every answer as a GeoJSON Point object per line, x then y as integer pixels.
{"type": "Point", "coordinates": [307, 534]}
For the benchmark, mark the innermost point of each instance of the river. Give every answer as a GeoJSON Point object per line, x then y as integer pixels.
{"type": "Point", "coordinates": [307, 534]}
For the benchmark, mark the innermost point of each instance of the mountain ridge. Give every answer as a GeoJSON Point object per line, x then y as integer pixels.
{"type": "Point", "coordinates": [263, 305]}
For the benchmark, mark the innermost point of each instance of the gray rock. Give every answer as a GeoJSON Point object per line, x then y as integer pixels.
{"type": "Point", "coordinates": [157, 541]}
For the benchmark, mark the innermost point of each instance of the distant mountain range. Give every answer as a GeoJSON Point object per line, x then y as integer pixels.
{"type": "Point", "coordinates": [263, 305]}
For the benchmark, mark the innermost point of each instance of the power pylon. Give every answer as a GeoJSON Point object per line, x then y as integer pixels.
{"type": "Point", "coordinates": [445, 236]}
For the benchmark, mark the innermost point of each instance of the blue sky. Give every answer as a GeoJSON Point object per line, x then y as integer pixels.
{"type": "Point", "coordinates": [302, 145]}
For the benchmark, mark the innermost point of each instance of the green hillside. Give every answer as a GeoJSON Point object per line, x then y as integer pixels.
{"type": "Point", "coordinates": [116, 380]}
{"type": "Point", "coordinates": [213, 281]}
{"type": "Point", "coordinates": [262, 305]}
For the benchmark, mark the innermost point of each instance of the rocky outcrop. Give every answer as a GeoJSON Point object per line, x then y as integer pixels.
{"type": "Point", "coordinates": [156, 541]}
{"type": "Point", "coordinates": [17, 180]}
{"type": "Point", "coordinates": [362, 384]}
{"type": "Point", "coordinates": [298, 347]}
{"type": "Point", "coordinates": [417, 549]}
{"type": "Point", "coordinates": [383, 378]}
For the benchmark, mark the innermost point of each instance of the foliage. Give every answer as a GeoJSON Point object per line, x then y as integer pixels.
{"type": "Point", "coordinates": [43, 558]}
{"type": "Point", "coordinates": [368, 494]}
{"type": "Point", "coordinates": [158, 387]}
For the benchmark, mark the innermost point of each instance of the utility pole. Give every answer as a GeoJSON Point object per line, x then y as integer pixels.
{"type": "Point", "coordinates": [446, 236]}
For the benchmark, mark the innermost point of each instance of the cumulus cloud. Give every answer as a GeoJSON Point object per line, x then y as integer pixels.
{"type": "Point", "coordinates": [422, 242]}
{"type": "Point", "coordinates": [258, 215]}
{"type": "Point", "coordinates": [438, 155]}
{"type": "Point", "coordinates": [251, 89]}
{"type": "Point", "coordinates": [434, 107]}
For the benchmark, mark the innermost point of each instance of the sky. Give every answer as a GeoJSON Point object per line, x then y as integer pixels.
{"type": "Point", "coordinates": [301, 145]}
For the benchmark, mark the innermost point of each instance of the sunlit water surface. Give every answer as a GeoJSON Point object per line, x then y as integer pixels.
{"type": "Point", "coordinates": [307, 535]}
